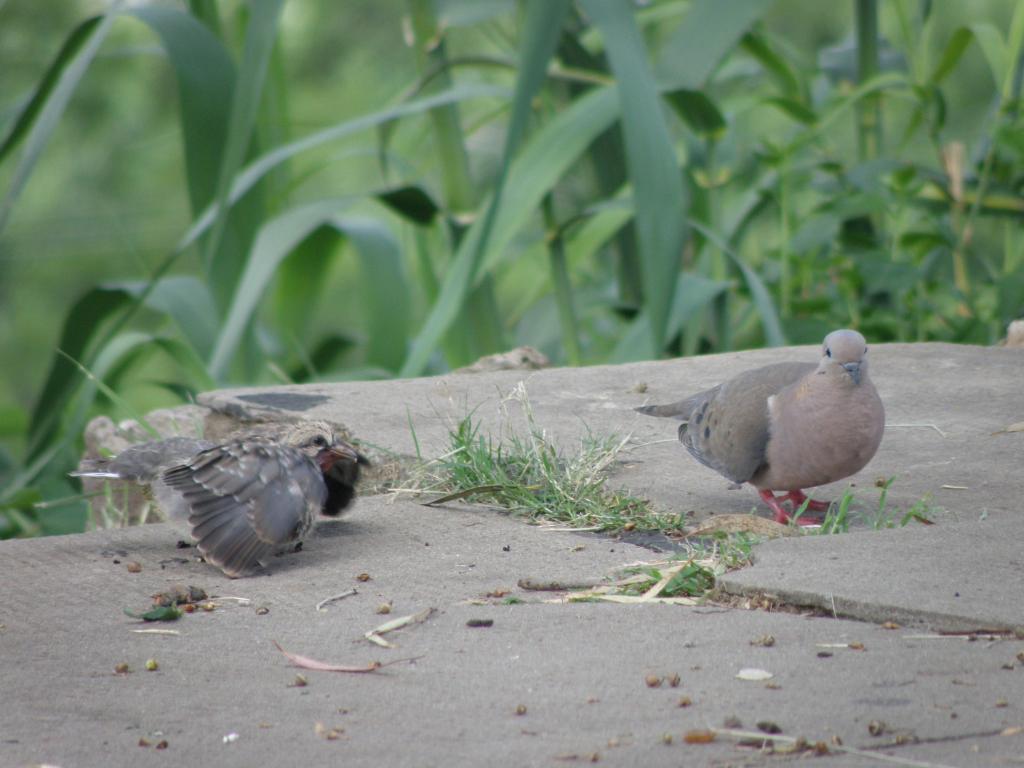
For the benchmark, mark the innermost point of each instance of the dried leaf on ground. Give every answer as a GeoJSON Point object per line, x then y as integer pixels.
{"type": "Point", "coordinates": [374, 635]}
{"type": "Point", "coordinates": [1015, 427]}
{"type": "Point", "coordinates": [304, 662]}
{"type": "Point", "coordinates": [753, 674]}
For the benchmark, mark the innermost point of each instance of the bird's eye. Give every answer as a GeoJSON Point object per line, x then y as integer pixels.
{"type": "Point", "coordinates": [828, 352]}
{"type": "Point", "coordinates": [320, 441]}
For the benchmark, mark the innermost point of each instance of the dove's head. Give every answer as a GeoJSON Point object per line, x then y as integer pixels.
{"type": "Point", "coordinates": [317, 440]}
{"type": "Point", "coordinates": [844, 353]}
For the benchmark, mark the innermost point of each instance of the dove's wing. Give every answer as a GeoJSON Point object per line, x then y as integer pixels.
{"type": "Point", "coordinates": [246, 498]}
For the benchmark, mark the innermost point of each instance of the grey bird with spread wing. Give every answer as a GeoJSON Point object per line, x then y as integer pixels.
{"type": "Point", "coordinates": [244, 499]}
{"type": "Point", "coordinates": [788, 426]}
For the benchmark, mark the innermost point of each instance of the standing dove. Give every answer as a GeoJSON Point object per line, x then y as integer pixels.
{"type": "Point", "coordinates": [788, 426]}
{"type": "Point", "coordinates": [247, 498]}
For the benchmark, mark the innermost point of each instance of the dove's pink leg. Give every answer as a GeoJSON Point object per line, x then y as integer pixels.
{"type": "Point", "coordinates": [781, 515]}
{"type": "Point", "coordinates": [798, 497]}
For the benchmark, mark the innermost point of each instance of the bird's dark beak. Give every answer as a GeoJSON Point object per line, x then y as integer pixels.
{"type": "Point", "coordinates": [854, 370]}
{"type": "Point", "coordinates": [328, 457]}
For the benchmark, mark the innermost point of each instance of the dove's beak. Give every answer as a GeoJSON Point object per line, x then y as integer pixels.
{"type": "Point", "coordinates": [339, 452]}
{"type": "Point", "coordinates": [854, 370]}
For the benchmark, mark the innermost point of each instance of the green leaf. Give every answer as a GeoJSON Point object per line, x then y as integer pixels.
{"type": "Point", "coordinates": [162, 613]}
{"type": "Point", "coordinates": [467, 13]}
{"type": "Point", "coordinates": [44, 111]}
{"type": "Point", "coordinates": [659, 196]}
{"type": "Point", "coordinates": [763, 302]}
{"type": "Point", "coordinates": [187, 300]}
{"type": "Point", "coordinates": [702, 39]}
{"type": "Point", "coordinates": [785, 76]}
{"type": "Point", "coordinates": [994, 49]}
{"type": "Point", "coordinates": [699, 112]}
{"type": "Point", "coordinates": [793, 109]}
{"type": "Point", "coordinates": [81, 325]}
{"type": "Point", "coordinates": [205, 76]}
{"type": "Point", "coordinates": [224, 266]}
{"type": "Point", "coordinates": [693, 293]}
{"type": "Point", "coordinates": [79, 36]}
{"type": "Point", "coordinates": [386, 292]}
{"type": "Point", "coordinates": [128, 348]}
{"type": "Point", "coordinates": [955, 47]}
{"type": "Point", "coordinates": [412, 203]}
{"type": "Point", "coordinates": [300, 282]}
{"type": "Point", "coordinates": [276, 239]}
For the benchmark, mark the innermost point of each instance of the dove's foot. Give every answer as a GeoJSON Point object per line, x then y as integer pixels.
{"type": "Point", "coordinates": [781, 515]}
{"type": "Point", "coordinates": [796, 498]}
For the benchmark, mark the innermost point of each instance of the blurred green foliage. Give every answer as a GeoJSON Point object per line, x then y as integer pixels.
{"type": "Point", "coordinates": [202, 193]}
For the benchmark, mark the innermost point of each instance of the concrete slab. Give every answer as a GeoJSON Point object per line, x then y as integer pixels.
{"type": "Point", "coordinates": [578, 669]}
{"type": "Point", "coordinates": [954, 578]}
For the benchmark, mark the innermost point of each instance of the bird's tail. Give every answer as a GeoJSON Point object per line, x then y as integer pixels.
{"type": "Point", "coordinates": [679, 410]}
{"type": "Point", "coordinates": [96, 468]}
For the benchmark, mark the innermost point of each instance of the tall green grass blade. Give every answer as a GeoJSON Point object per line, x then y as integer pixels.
{"type": "Point", "coordinates": [951, 55]}
{"type": "Point", "coordinates": [544, 19]}
{"type": "Point", "coordinates": [43, 114]}
{"type": "Point", "coordinates": [704, 36]}
{"type": "Point", "coordinates": [276, 239]}
{"type": "Point", "coordinates": [411, 202]}
{"type": "Point", "coordinates": [205, 75]}
{"type": "Point", "coordinates": [224, 267]}
{"type": "Point", "coordinates": [659, 196]}
{"type": "Point", "coordinates": [993, 48]}
{"type": "Point", "coordinates": [187, 300]}
{"type": "Point", "coordinates": [125, 351]}
{"type": "Point", "coordinates": [869, 109]}
{"type": "Point", "coordinates": [698, 111]}
{"type": "Point", "coordinates": [300, 282]}
{"type": "Point", "coordinates": [558, 266]}
{"type": "Point", "coordinates": [693, 293]}
{"type": "Point", "coordinates": [776, 66]}
{"type": "Point", "coordinates": [1014, 43]}
{"type": "Point", "coordinates": [27, 115]}
{"type": "Point", "coordinates": [385, 290]}
{"type": "Point", "coordinates": [82, 325]}
{"type": "Point", "coordinates": [759, 294]}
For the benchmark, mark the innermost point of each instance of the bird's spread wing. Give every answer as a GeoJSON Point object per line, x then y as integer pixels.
{"type": "Point", "coordinates": [246, 498]}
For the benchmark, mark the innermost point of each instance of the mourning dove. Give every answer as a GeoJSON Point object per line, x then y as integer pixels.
{"type": "Point", "coordinates": [788, 426]}
{"type": "Point", "coordinates": [246, 498]}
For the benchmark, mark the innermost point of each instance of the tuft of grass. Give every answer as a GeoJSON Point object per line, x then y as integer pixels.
{"type": "Point", "coordinates": [727, 551]}
{"type": "Point", "coordinates": [837, 518]}
{"type": "Point", "coordinates": [694, 578]}
{"type": "Point", "coordinates": [532, 478]}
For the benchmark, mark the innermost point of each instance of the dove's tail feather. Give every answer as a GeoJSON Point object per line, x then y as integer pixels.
{"type": "Point", "coordinates": [104, 473]}
{"type": "Point", "coordinates": [680, 410]}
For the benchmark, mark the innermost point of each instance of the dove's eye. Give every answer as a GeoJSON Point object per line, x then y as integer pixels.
{"type": "Point", "coordinates": [320, 441]}
{"type": "Point", "coordinates": [828, 352]}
